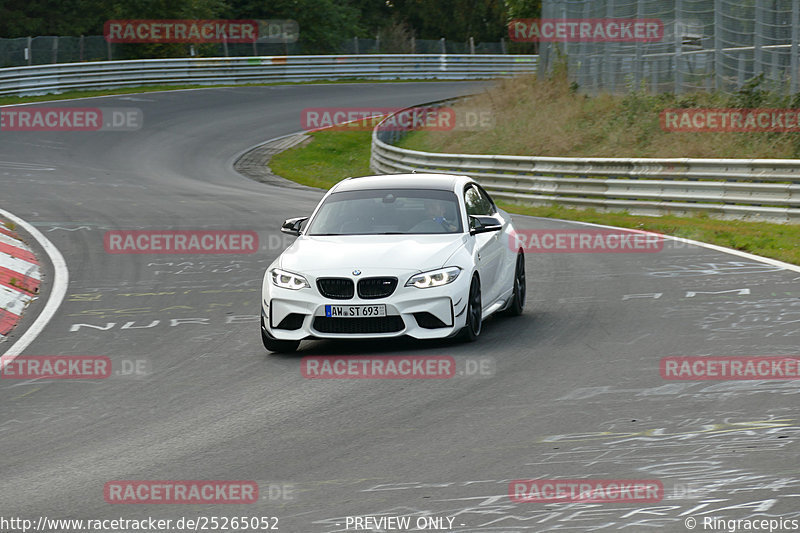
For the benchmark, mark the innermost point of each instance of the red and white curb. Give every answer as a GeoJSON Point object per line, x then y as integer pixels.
{"type": "Point", "coordinates": [19, 278]}
{"type": "Point", "coordinates": [31, 279]}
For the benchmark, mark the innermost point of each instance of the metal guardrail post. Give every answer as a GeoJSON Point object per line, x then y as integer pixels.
{"type": "Point", "coordinates": [758, 39]}
{"type": "Point", "coordinates": [795, 44]}
{"type": "Point", "coordinates": [608, 58]}
{"type": "Point", "coordinates": [564, 41]}
{"type": "Point", "coordinates": [741, 72]}
{"type": "Point", "coordinates": [718, 45]}
{"type": "Point", "coordinates": [678, 46]}
{"type": "Point", "coordinates": [584, 77]}
{"type": "Point", "coordinates": [637, 66]}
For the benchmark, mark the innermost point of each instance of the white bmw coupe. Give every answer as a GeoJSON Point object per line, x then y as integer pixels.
{"type": "Point", "coordinates": [423, 255]}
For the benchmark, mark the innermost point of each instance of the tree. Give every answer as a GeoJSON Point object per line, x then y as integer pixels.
{"type": "Point", "coordinates": [458, 20]}
{"type": "Point", "coordinates": [324, 24]}
{"type": "Point", "coordinates": [523, 9]}
{"type": "Point", "coordinates": [21, 18]}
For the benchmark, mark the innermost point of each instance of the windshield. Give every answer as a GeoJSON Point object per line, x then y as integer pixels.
{"type": "Point", "coordinates": [387, 212]}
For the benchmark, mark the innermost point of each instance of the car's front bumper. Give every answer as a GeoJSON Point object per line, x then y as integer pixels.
{"type": "Point", "coordinates": [429, 313]}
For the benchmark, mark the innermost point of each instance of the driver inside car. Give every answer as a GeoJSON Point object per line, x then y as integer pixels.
{"type": "Point", "coordinates": [436, 211]}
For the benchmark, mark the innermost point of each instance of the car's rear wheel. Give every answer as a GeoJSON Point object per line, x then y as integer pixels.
{"type": "Point", "coordinates": [278, 346]}
{"type": "Point", "coordinates": [518, 294]}
{"type": "Point", "coordinates": [474, 312]}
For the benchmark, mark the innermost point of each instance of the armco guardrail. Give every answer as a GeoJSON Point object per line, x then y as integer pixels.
{"type": "Point", "coordinates": [764, 189]}
{"type": "Point", "coordinates": [43, 79]}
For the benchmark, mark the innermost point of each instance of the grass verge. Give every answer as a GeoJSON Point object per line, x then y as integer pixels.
{"type": "Point", "coordinates": [329, 158]}
{"type": "Point", "coordinates": [777, 241]}
{"type": "Point", "coordinates": [333, 156]}
{"type": "Point", "coordinates": [550, 117]}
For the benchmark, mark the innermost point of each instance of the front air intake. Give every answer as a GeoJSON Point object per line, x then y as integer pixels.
{"type": "Point", "coordinates": [336, 288]}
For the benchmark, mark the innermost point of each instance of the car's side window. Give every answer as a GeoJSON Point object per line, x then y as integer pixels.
{"type": "Point", "coordinates": [472, 200]}
{"type": "Point", "coordinates": [476, 203]}
{"type": "Point", "coordinates": [487, 203]}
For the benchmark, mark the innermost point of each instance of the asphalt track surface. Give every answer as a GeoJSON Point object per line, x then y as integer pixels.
{"type": "Point", "coordinates": [574, 389]}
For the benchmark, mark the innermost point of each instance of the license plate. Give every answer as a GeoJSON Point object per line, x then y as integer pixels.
{"type": "Point", "coordinates": [355, 311]}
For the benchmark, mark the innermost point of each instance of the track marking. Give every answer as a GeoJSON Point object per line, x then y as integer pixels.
{"type": "Point", "coordinates": [767, 260]}
{"type": "Point", "coordinates": [57, 293]}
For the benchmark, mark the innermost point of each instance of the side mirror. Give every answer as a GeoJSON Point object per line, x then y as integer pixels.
{"type": "Point", "coordinates": [292, 226]}
{"type": "Point", "coordinates": [480, 224]}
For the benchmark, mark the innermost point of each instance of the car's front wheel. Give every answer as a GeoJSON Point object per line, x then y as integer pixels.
{"type": "Point", "coordinates": [278, 346]}
{"type": "Point", "coordinates": [474, 312]}
{"type": "Point", "coordinates": [518, 294]}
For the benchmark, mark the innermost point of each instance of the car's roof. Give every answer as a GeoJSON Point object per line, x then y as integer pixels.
{"type": "Point", "coordinates": [446, 182]}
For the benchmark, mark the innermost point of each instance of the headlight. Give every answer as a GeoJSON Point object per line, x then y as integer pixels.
{"type": "Point", "coordinates": [434, 278]}
{"type": "Point", "coordinates": [287, 280]}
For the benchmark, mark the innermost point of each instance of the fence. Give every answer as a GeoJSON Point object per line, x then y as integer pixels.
{"type": "Point", "coordinates": [707, 44]}
{"type": "Point", "coordinates": [25, 81]}
{"type": "Point", "coordinates": [766, 189]}
{"type": "Point", "coordinates": [28, 51]}
{"type": "Point", "coordinates": [422, 46]}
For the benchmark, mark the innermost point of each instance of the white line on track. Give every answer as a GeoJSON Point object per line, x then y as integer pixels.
{"type": "Point", "coordinates": [57, 291]}
{"type": "Point", "coordinates": [753, 257]}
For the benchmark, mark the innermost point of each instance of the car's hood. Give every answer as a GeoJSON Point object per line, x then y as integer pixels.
{"type": "Point", "coordinates": [379, 254]}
